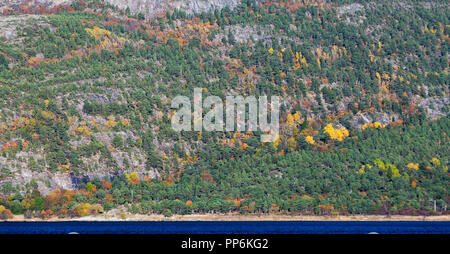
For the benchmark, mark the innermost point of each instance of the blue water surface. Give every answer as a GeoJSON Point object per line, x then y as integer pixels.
{"type": "Point", "coordinates": [228, 227]}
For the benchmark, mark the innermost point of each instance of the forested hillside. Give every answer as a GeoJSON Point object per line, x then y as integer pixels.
{"type": "Point", "coordinates": [85, 107]}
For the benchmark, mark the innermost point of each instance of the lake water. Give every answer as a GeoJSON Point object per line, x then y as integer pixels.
{"type": "Point", "coordinates": [224, 227]}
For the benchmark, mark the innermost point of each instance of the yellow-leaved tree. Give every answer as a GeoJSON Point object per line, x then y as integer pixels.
{"type": "Point", "coordinates": [336, 134]}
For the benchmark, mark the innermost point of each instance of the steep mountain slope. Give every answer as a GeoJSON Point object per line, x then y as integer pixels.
{"type": "Point", "coordinates": [155, 7]}
{"type": "Point", "coordinates": [148, 7]}
{"type": "Point", "coordinates": [86, 90]}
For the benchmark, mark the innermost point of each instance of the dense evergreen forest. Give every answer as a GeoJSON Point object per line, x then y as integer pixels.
{"type": "Point", "coordinates": [85, 109]}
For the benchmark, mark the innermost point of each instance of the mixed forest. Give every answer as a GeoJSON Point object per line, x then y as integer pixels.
{"type": "Point", "coordinates": [85, 109]}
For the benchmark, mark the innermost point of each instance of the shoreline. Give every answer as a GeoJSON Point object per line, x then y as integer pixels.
{"type": "Point", "coordinates": [235, 217]}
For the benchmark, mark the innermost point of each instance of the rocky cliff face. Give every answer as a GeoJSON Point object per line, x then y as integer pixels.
{"type": "Point", "coordinates": [10, 3]}
{"type": "Point", "coordinates": [154, 7]}
{"type": "Point", "coordinates": [148, 7]}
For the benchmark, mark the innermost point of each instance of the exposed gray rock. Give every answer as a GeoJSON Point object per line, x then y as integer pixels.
{"type": "Point", "coordinates": [435, 107]}
{"type": "Point", "coordinates": [155, 7]}
{"type": "Point", "coordinates": [10, 3]}
{"type": "Point", "coordinates": [242, 34]}
{"type": "Point", "coordinates": [349, 9]}
{"type": "Point", "coordinates": [99, 98]}
{"type": "Point", "coordinates": [360, 119]}
{"type": "Point", "coordinates": [149, 7]}
{"type": "Point", "coordinates": [349, 12]}
{"type": "Point", "coordinates": [9, 24]}
{"type": "Point", "coordinates": [62, 181]}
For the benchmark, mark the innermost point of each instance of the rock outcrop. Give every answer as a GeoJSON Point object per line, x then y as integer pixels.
{"type": "Point", "coordinates": [148, 7]}
{"type": "Point", "coordinates": [155, 7]}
